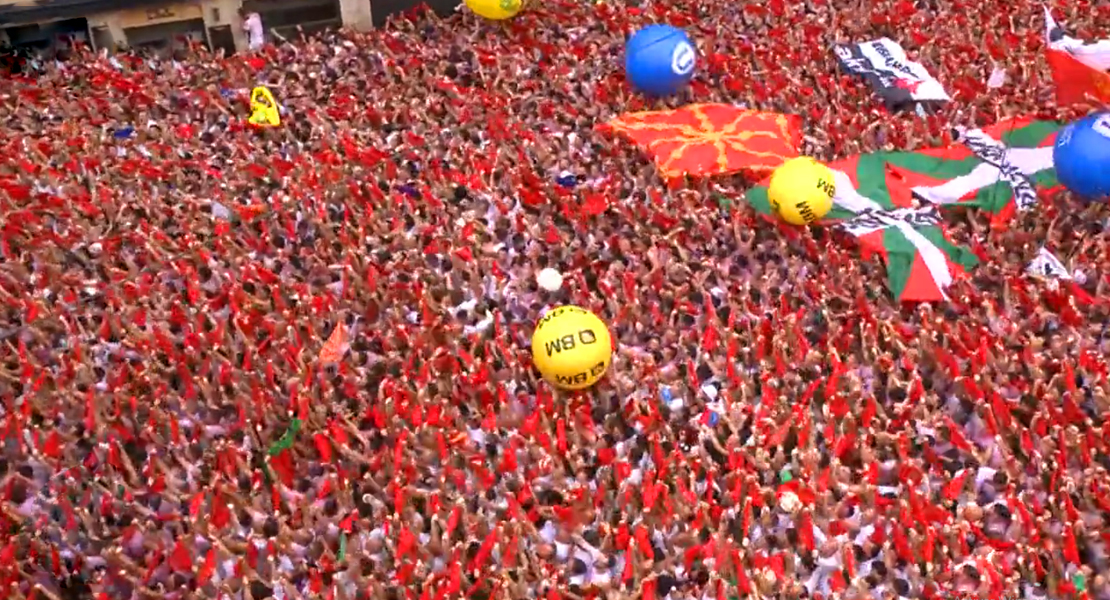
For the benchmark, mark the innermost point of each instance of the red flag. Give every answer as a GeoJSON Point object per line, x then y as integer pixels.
{"type": "Point", "coordinates": [323, 446]}
{"type": "Point", "coordinates": [52, 446]}
{"type": "Point", "coordinates": [956, 435]}
{"type": "Point", "coordinates": [930, 545]}
{"type": "Point", "coordinates": [869, 411]}
{"type": "Point", "coordinates": [195, 504]}
{"type": "Point", "coordinates": [594, 203]}
{"type": "Point", "coordinates": [484, 551]}
{"type": "Point", "coordinates": [334, 347]}
{"type": "Point", "coordinates": [805, 531]}
{"type": "Point", "coordinates": [643, 543]}
{"type": "Point", "coordinates": [406, 541]}
{"type": "Point", "coordinates": [1071, 551]}
{"type": "Point", "coordinates": [454, 578]}
{"type": "Point", "coordinates": [90, 411]}
{"type": "Point", "coordinates": [453, 520]}
{"type": "Point", "coordinates": [1001, 410]}
{"type": "Point", "coordinates": [738, 139]}
{"type": "Point", "coordinates": [221, 515]}
{"type": "Point", "coordinates": [956, 485]}
{"type": "Point", "coordinates": [181, 560]}
{"type": "Point", "coordinates": [56, 561]}
{"type": "Point", "coordinates": [1076, 83]}
{"type": "Point", "coordinates": [209, 567]}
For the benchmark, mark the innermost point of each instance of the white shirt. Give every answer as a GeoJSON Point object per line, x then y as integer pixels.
{"type": "Point", "coordinates": [253, 26]}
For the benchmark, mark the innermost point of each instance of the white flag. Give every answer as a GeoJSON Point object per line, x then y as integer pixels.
{"type": "Point", "coordinates": [1046, 266]}
{"type": "Point", "coordinates": [1095, 54]}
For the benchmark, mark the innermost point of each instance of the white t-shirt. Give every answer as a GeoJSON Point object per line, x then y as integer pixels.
{"type": "Point", "coordinates": [253, 26]}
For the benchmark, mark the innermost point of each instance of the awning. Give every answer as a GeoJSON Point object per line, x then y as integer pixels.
{"type": "Point", "coordinates": [25, 12]}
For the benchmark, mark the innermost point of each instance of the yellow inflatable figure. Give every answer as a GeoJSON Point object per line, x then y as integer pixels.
{"type": "Point", "coordinates": [264, 109]}
{"type": "Point", "coordinates": [495, 10]}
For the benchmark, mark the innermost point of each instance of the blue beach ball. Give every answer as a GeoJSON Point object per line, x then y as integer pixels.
{"type": "Point", "coordinates": [659, 60]}
{"type": "Point", "coordinates": [1082, 157]}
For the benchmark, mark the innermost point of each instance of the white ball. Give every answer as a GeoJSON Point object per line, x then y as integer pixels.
{"type": "Point", "coordinates": [549, 279]}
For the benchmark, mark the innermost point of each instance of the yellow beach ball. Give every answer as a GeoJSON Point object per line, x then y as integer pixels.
{"type": "Point", "coordinates": [571, 347]}
{"type": "Point", "coordinates": [496, 10]}
{"type": "Point", "coordinates": [801, 191]}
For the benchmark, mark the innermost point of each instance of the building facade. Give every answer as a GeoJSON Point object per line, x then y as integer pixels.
{"type": "Point", "coordinates": [112, 24]}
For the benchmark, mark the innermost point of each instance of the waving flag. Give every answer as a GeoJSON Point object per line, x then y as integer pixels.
{"type": "Point", "coordinates": [711, 139]}
{"type": "Point", "coordinates": [336, 346]}
{"type": "Point", "coordinates": [1079, 69]}
{"type": "Point", "coordinates": [874, 205]}
{"type": "Point", "coordinates": [998, 169]}
{"type": "Point", "coordinates": [883, 63]}
{"type": "Point", "coordinates": [1047, 266]}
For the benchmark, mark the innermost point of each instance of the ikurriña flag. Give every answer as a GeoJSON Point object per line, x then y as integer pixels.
{"type": "Point", "coordinates": [875, 207]}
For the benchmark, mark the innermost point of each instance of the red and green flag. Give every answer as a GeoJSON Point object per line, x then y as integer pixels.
{"type": "Point", "coordinates": [874, 205]}
{"type": "Point", "coordinates": [890, 200]}
{"type": "Point", "coordinates": [999, 169]}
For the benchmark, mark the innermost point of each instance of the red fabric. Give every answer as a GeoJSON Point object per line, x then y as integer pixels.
{"type": "Point", "coordinates": [181, 559]}
{"type": "Point", "coordinates": [1076, 83]}
{"type": "Point", "coordinates": [752, 141]}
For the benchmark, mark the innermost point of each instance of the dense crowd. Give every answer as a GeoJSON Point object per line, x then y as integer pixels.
{"type": "Point", "coordinates": [773, 424]}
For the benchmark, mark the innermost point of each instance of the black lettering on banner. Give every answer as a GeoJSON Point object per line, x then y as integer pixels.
{"type": "Point", "coordinates": [888, 59]}
{"type": "Point", "coordinates": [870, 220]}
{"type": "Point", "coordinates": [856, 64]}
{"type": "Point", "coordinates": [1025, 195]}
{"type": "Point", "coordinates": [923, 218]}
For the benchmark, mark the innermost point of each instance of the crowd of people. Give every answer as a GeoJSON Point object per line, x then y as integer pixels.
{"type": "Point", "coordinates": [293, 362]}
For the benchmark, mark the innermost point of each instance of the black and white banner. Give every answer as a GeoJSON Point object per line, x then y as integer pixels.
{"type": "Point", "coordinates": [884, 65]}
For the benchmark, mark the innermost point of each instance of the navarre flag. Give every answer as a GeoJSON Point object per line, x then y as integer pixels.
{"type": "Point", "coordinates": [704, 140]}
{"type": "Point", "coordinates": [999, 169]}
{"type": "Point", "coordinates": [899, 81]}
{"type": "Point", "coordinates": [1079, 69]}
{"type": "Point", "coordinates": [873, 204]}
{"type": "Point", "coordinates": [264, 109]}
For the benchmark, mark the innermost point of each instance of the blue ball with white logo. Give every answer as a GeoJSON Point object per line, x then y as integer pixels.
{"type": "Point", "coordinates": [1082, 157]}
{"type": "Point", "coordinates": [659, 60]}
